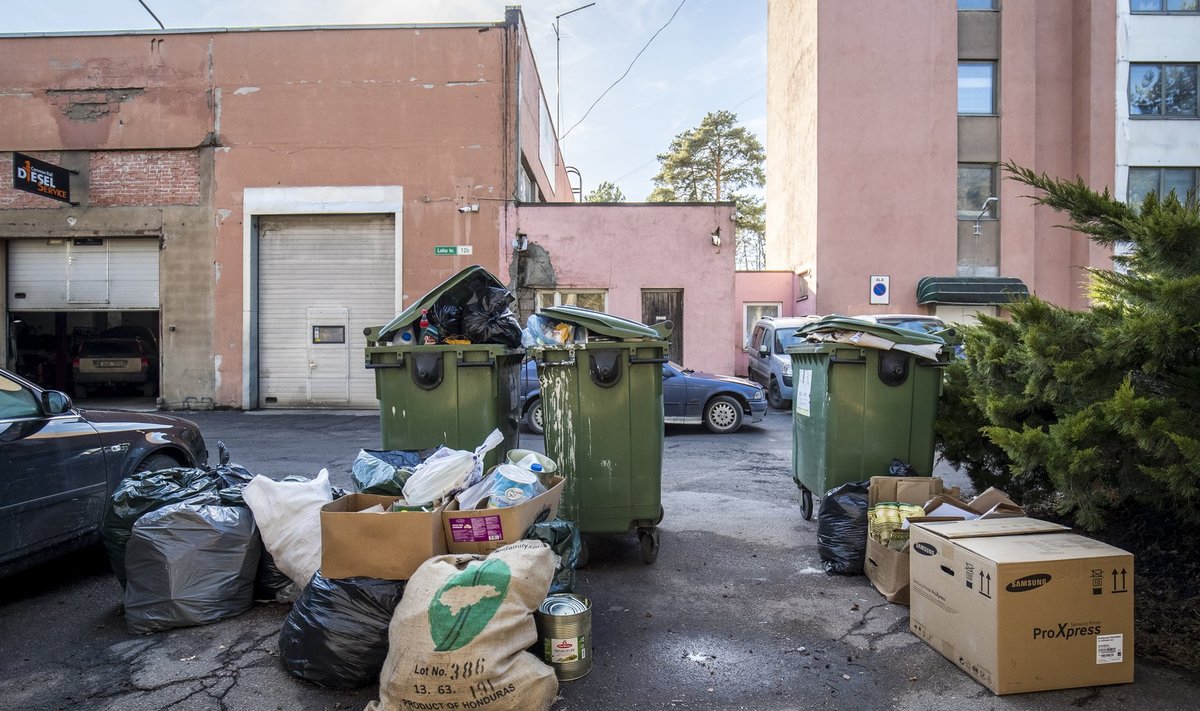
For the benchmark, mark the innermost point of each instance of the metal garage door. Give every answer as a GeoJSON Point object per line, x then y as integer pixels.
{"type": "Point", "coordinates": [322, 279]}
{"type": "Point", "coordinates": [82, 274]}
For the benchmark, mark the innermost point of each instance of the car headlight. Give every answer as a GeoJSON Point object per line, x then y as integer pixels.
{"type": "Point", "coordinates": [787, 369]}
{"type": "Point", "coordinates": [758, 395]}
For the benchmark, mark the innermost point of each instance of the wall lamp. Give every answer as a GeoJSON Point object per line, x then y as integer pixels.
{"type": "Point", "coordinates": [983, 211]}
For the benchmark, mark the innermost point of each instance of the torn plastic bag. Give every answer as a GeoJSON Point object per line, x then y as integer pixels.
{"type": "Point", "coordinates": [384, 472]}
{"type": "Point", "coordinates": [336, 634]}
{"type": "Point", "coordinates": [842, 529]}
{"type": "Point", "coordinates": [190, 565]}
{"type": "Point", "coordinates": [488, 318]}
{"type": "Point", "coordinates": [447, 471]}
{"type": "Point", "coordinates": [542, 331]}
{"type": "Point", "coordinates": [288, 514]}
{"type": "Point", "coordinates": [563, 539]}
{"type": "Point", "coordinates": [142, 492]}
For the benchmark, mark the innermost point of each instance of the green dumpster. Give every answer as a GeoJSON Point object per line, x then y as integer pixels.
{"type": "Point", "coordinates": [864, 394]}
{"type": "Point", "coordinates": [453, 395]}
{"type": "Point", "coordinates": [602, 410]}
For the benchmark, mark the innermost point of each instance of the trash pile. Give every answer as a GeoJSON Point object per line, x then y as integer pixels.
{"type": "Point", "coordinates": [472, 307]}
{"type": "Point", "coordinates": [430, 563]}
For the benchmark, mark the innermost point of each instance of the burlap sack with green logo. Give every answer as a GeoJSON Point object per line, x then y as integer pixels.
{"type": "Point", "coordinates": [459, 635]}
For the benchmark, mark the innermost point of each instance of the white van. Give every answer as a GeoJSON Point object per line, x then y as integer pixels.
{"type": "Point", "coordinates": [768, 364]}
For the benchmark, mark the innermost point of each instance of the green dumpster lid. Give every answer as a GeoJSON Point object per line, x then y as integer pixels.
{"type": "Point", "coordinates": [604, 324]}
{"type": "Point", "coordinates": [469, 280]}
{"type": "Point", "coordinates": [867, 334]}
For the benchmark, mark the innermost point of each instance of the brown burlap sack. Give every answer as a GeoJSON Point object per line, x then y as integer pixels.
{"type": "Point", "coordinates": [459, 635]}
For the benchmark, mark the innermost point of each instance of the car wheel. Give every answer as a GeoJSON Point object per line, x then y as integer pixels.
{"type": "Point", "coordinates": [533, 418]}
{"type": "Point", "coordinates": [723, 415]}
{"type": "Point", "coordinates": [155, 462]}
{"type": "Point", "coordinates": [774, 397]}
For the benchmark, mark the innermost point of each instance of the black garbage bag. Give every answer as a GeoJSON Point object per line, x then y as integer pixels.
{"type": "Point", "coordinates": [488, 318]}
{"type": "Point", "coordinates": [384, 472]}
{"type": "Point", "coordinates": [336, 634]}
{"type": "Point", "coordinates": [899, 467]}
{"type": "Point", "coordinates": [447, 315]}
{"type": "Point", "coordinates": [231, 474]}
{"type": "Point", "coordinates": [190, 565]}
{"type": "Point", "coordinates": [142, 492]}
{"type": "Point", "coordinates": [842, 529]}
{"type": "Point", "coordinates": [270, 583]}
{"type": "Point", "coordinates": [563, 539]}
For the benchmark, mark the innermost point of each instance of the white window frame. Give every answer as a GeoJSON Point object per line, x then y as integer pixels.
{"type": "Point", "coordinates": [748, 322]}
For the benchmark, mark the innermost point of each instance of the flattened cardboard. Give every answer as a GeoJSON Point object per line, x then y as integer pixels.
{"type": "Point", "coordinates": [1023, 606]}
{"type": "Point", "coordinates": [388, 546]}
{"type": "Point", "coordinates": [485, 530]}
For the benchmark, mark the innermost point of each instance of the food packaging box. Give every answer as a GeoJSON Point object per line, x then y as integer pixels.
{"type": "Point", "coordinates": [1023, 605]}
{"type": "Point", "coordinates": [485, 530]}
{"type": "Point", "coordinates": [885, 568]}
{"type": "Point", "coordinates": [389, 545]}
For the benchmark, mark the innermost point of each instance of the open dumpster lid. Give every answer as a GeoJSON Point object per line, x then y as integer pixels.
{"type": "Point", "coordinates": [468, 281]}
{"type": "Point", "coordinates": [867, 334]}
{"type": "Point", "coordinates": [608, 325]}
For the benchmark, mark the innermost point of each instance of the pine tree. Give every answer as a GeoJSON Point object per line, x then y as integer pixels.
{"type": "Point", "coordinates": [1093, 409]}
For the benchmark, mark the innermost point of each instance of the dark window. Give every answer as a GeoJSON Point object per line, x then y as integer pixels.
{"type": "Point", "coordinates": [976, 183]}
{"type": "Point", "coordinates": [1163, 90]}
{"type": "Point", "coordinates": [1143, 181]}
{"type": "Point", "coordinates": [109, 349]}
{"type": "Point", "coordinates": [16, 401]}
{"type": "Point", "coordinates": [976, 87]}
{"type": "Point", "coordinates": [1158, 7]}
{"type": "Point", "coordinates": [785, 337]}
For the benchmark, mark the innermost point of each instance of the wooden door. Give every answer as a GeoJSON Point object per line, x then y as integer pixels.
{"type": "Point", "coordinates": [666, 305]}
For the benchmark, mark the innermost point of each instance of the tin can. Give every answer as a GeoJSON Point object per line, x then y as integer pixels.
{"type": "Point", "coordinates": [564, 625]}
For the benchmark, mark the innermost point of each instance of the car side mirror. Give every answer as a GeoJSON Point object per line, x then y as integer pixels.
{"type": "Point", "coordinates": [55, 402]}
{"type": "Point", "coordinates": [763, 349]}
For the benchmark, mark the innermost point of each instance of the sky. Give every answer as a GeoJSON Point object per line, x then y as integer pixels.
{"type": "Point", "coordinates": [711, 57]}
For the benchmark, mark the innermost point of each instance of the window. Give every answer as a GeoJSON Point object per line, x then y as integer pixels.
{"type": "Point", "coordinates": [976, 87]}
{"type": "Point", "coordinates": [1158, 7]}
{"type": "Point", "coordinates": [1164, 90]}
{"type": "Point", "coordinates": [595, 299]}
{"type": "Point", "coordinates": [1143, 181]}
{"type": "Point", "coordinates": [976, 183]}
{"type": "Point", "coordinates": [976, 4]}
{"type": "Point", "coordinates": [752, 312]}
{"type": "Point", "coordinates": [15, 401]}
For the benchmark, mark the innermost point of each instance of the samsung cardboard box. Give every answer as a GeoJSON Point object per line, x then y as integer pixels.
{"type": "Point", "coordinates": [887, 569]}
{"type": "Point", "coordinates": [1023, 605]}
{"type": "Point", "coordinates": [485, 530]}
{"type": "Point", "coordinates": [389, 545]}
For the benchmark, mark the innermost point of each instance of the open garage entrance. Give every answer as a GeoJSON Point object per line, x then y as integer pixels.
{"type": "Point", "coordinates": [83, 317]}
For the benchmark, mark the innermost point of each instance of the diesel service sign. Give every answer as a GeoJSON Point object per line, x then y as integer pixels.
{"type": "Point", "coordinates": [41, 178]}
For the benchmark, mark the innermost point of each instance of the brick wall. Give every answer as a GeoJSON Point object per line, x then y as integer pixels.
{"type": "Point", "coordinates": [117, 179]}
{"type": "Point", "coordinates": [144, 178]}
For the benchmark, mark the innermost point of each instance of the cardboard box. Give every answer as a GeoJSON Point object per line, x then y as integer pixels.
{"type": "Point", "coordinates": [885, 568]}
{"type": "Point", "coordinates": [389, 546]}
{"type": "Point", "coordinates": [1023, 605]}
{"type": "Point", "coordinates": [485, 530]}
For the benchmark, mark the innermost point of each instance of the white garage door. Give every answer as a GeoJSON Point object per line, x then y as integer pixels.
{"type": "Point", "coordinates": [82, 274]}
{"type": "Point", "coordinates": [322, 279]}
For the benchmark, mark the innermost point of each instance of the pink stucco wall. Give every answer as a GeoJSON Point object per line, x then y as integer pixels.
{"type": "Point", "coordinates": [781, 287]}
{"type": "Point", "coordinates": [624, 248]}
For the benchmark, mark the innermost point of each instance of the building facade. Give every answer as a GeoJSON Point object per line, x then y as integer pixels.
{"type": "Point", "coordinates": [256, 198]}
{"type": "Point", "coordinates": [889, 124]}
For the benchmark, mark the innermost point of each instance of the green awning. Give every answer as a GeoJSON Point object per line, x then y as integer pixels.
{"type": "Point", "coordinates": [970, 290]}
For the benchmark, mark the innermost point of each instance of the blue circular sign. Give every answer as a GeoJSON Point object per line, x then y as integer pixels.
{"type": "Point", "coordinates": [879, 289]}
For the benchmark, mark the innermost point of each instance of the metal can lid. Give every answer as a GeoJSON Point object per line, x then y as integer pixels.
{"type": "Point", "coordinates": [564, 604]}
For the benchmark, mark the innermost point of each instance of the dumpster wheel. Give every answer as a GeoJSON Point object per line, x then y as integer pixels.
{"type": "Point", "coordinates": [806, 504]}
{"type": "Point", "coordinates": [648, 538]}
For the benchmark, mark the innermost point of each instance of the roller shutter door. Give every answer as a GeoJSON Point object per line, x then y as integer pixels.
{"type": "Point", "coordinates": [111, 274]}
{"type": "Point", "coordinates": [321, 280]}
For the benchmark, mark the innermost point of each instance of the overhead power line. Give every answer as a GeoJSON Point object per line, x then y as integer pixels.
{"type": "Point", "coordinates": [627, 69]}
{"type": "Point", "coordinates": [161, 26]}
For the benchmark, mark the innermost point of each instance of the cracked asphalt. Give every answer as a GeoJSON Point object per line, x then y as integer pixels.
{"type": "Point", "coordinates": [737, 613]}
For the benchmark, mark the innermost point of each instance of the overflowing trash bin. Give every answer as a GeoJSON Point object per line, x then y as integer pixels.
{"type": "Point", "coordinates": [447, 369]}
{"type": "Point", "coordinates": [601, 380]}
{"type": "Point", "coordinates": [864, 394]}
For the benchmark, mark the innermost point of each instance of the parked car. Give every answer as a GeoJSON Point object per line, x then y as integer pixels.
{"type": "Point", "coordinates": [61, 464]}
{"type": "Point", "coordinates": [720, 402]}
{"type": "Point", "coordinates": [116, 358]}
{"type": "Point", "coordinates": [768, 364]}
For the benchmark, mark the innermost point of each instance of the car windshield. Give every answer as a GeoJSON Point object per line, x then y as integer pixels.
{"type": "Point", "coordinates": [109, 349]}
{"type": "Point", "coordinates": [919, 325]}
{"type": "Point", "coordinates": [785, 337]}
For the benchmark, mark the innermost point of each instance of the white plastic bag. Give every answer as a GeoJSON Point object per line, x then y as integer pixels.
{"type": "Point", "coordinates": [288, 515]}
{"type": "Point", "coordinates": [448, 470]}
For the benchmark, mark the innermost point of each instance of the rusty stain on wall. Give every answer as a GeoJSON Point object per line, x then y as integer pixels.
{"type": "Point", "coordinates": [91, 104]}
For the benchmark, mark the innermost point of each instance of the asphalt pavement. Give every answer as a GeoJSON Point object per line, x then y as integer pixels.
{"type": "Point", "coordinates": [736, 613]}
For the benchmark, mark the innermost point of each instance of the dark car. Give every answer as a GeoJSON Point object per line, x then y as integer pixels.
{"type": "Point", "coordinates": [59, 465]}
{"type": "Point", "coordinates": [720, 402]}
{"type": "Point", "coordinates": [119, 357]}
